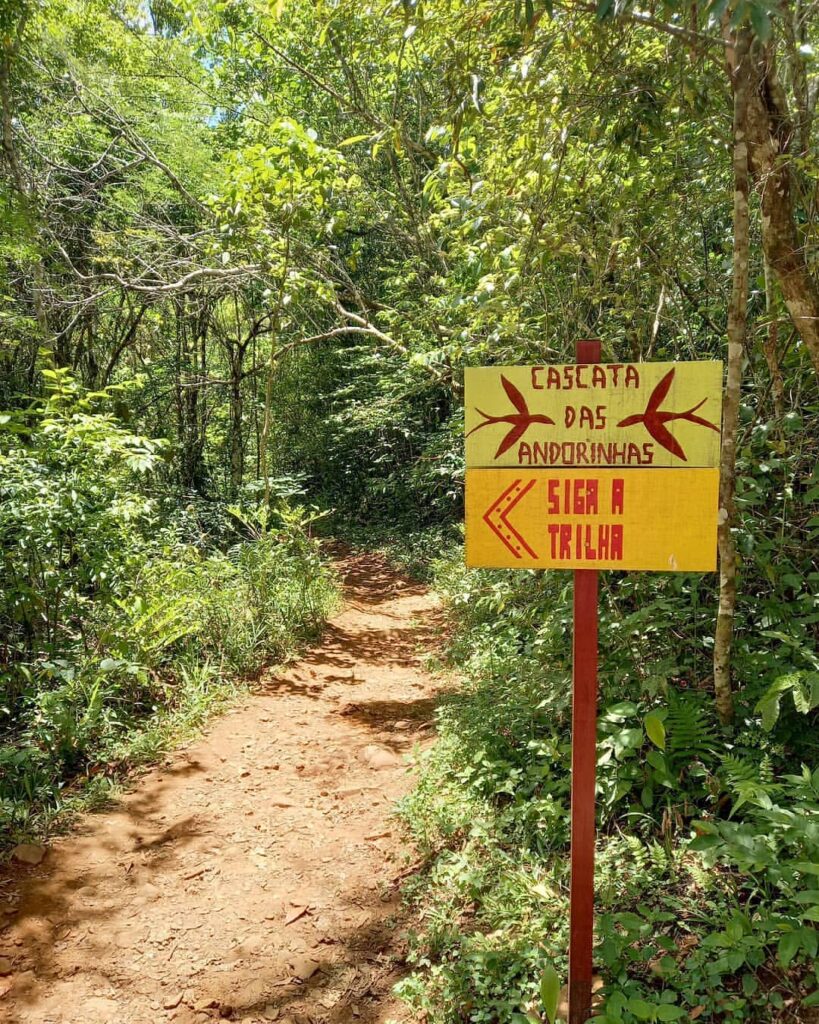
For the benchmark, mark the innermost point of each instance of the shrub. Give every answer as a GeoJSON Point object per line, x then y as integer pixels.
{"type": "Point", "coordinates": [707, 859]}
{"type": "Point", "coordinates": [116, 626]}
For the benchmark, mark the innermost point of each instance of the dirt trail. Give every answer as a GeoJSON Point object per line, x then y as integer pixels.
{"type": "Point", "coordinates": [253, 875]}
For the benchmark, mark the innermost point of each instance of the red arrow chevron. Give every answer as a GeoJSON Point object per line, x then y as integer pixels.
{"type": "Point", "coordinates": [501, 526]}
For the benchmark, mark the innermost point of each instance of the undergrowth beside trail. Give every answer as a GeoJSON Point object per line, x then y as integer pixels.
{"type": "Point", "coordinates": [85, 722]}
{"type": "Point", "coordinates": [707, 880]}
{"type": "Point", "coordinates": [126, 619]}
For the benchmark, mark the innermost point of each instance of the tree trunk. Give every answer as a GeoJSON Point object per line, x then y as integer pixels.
{"type": "Point", "coordinates": [769, 135]}
{"type": "Point", "coordinates": [191, 371]}
{"type": "Point", "coordinates": [275, 322]}
{"type": "Point", "coordinates": [770, 349]}
{"type": "Point", "coordinates": [237, 451]}
{"type": "Point", "coordinates": [740, 70]}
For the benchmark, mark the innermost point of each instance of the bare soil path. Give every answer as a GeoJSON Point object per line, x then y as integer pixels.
{"type": "Point", "coordinates": [254, 875]}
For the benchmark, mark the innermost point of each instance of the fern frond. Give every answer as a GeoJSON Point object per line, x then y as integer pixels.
{"type": "Point", "coordinates": [690, 732]}
{"type": "Point", "coordinates": [748, 781]}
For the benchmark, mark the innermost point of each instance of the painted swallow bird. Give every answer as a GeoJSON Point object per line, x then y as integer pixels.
{"type": "Point", "coordinates": [520, 420]}
{"type": "Point", "coordinates": [655, 419]}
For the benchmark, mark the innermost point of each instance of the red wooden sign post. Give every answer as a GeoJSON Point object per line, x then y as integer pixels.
{"type": "Point", "coordinates": [584, 763]}
{"type": "Point", "coordinates": [559, 462]}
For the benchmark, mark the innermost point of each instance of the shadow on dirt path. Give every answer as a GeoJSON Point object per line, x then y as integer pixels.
{"type": "Point", "coordinates": [253, 876]}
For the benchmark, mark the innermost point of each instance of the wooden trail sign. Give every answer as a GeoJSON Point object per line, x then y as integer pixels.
{"type": "Point", "coordinates": [591, 466]}
{"type": "Point", "coordinates": [594, 414]}
{"type": "Point", "coordinates": [592, 519]}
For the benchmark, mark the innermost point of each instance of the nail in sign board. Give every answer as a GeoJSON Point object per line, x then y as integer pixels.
{"type": "Point", "coordinates": [593, 466]}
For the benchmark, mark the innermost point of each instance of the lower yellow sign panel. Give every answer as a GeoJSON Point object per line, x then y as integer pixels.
{"type": "Point", "coordinates": [656, 520]}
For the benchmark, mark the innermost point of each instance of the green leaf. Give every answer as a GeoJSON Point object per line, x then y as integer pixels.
{"type": "Point", "coordinates": [788, 946]}
{"type": "Point", "coordinates": [627, 739]}
{"type": "Point", "coordinates": [352, 140]}
{"type": "Point", "coordinates": [655, 730]}
{"type": "Point", "coordinates": [809, 941]}
{"type": "Point", "coordinates": [549, 992]}
{"type": "Point", "coordinates": [641, 1009]}
{"type": "Point", "coordinates": [761, 22]}
{"type": "Point", "coordinates": [716, 9]}
{"type": "Point", "coordinates": [749, 984]}
{"type": "Point", "coordinates": [668, 1011]}
{"type": "Point", "coordinates": [631, 922]}
{"type": "Point", "coordinates": [618, 712]}
{"type": "Point", "coordinates": [739, 14]}
{"type": "Point", "coordinates": [702, 843]}
{"type": "Point", "coordinates": [768, 704]}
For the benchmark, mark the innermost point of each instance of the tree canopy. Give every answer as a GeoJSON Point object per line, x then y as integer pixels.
{"type": "Point", "coordinates": [248, 249]}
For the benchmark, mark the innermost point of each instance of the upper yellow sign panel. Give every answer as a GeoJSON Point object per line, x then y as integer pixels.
{"type": "Point", "coordinates": [594, 414]}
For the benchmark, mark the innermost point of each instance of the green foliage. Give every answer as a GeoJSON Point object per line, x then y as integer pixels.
{"type": "Point", "coordinates": [114, 625]}
{"type": "Point", "coordinates": [707, 862]}
{"type": "Point", "coordinates": [803, 686]}
{"type": "Point", "coordinates": [70, 517]}
{"type": "Point", "coordinates": [324, 213]}
{"type": "Point", "coordinates": [549, 992]}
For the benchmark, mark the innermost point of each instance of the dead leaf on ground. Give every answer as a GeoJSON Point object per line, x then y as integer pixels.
{"type": "Point", "coordinates": [304, 967]}
{"type": "Point", "coordinates": [379, 757]}
{"type": "Point", "coordinates": [296, 913]}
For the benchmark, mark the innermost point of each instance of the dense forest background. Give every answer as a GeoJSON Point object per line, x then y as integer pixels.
{"type": "Point", "coordinates": [247, 250]}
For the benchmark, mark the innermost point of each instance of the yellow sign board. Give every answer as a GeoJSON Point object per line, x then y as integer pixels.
{"type": "Point", "coordinates": [594, 415]}
{"type": "Point", "coordinates": [592, 519]}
